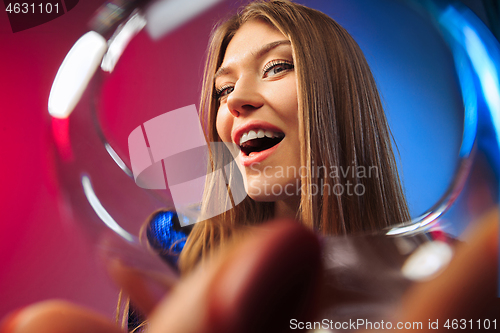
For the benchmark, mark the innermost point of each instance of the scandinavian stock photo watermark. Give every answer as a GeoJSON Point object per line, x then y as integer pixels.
{"type": "Point", "coordinates": [270, 176]}
{"type": "Point", "coordinates": [161, 160]}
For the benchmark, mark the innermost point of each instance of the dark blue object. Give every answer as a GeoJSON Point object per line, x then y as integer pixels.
{"type": "Point", "coordinates": [165, 234]}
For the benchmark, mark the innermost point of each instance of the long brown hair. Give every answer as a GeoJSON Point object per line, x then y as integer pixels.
{"type": "Point", "coordinates": [342, 127]}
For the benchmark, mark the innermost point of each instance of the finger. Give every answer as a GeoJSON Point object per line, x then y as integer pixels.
{"type": "Point", "coordinates": [467, 289]}
{"type": "Point", "coordinates": [257, 285]}
{"type": "Point", "coordinates": [144, 288]}
{"type": "Point", "coordinates": [57, 316]}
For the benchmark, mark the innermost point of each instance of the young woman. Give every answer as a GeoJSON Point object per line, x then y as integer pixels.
{"type": "Point", "coordinates": [292, 89]}
{"type": "Point", "coordinates": [298, 81]}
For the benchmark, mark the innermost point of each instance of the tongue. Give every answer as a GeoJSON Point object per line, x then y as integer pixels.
{"type": "Point", "coordinates": [258, 145]}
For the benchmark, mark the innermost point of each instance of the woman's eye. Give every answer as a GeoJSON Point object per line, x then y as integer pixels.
{"type": "Point", "coordinates": [277, 67]}
{"type": "Point", "coordinates": [224, 91]}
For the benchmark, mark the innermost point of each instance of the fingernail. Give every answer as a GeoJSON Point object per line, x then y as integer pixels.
{"type": "Point", "coordinates": [10, 322]}
{"type": "Point", "coordinates": [273, 281]}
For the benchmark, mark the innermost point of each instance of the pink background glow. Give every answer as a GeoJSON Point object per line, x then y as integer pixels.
{"type": "Point", "coordinates": [43, 253]}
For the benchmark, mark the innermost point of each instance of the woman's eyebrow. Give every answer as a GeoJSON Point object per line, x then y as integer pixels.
{"type": "Point", "coordinates": [268, 47]}
{"type": "Point", "coordinates": [257, 54]}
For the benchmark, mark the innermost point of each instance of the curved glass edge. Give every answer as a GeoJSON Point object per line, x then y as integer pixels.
{"type": "Point", "coordinates": [455, 38]}
{"type": "Point", "coordinates": [476, 54]}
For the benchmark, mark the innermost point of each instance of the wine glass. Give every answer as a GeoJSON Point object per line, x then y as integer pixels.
{"type": "Point", "coordinates": [158, 73]}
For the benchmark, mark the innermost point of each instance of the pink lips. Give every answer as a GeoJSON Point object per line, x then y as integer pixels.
{"type": "Point", "coordinates": [256, 157]}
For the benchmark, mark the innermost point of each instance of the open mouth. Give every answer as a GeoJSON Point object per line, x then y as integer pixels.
{"type": "Point", "coordinates": [257, 141]}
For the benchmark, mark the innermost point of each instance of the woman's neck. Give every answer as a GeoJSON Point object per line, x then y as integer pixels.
{"type": "Point", "coordinates": [287, 208]}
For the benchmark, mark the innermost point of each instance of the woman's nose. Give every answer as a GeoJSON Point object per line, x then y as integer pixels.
{"type": "Point", "coordinates": [244, 98]}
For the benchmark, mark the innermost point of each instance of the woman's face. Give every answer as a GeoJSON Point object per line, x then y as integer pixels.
{"type": "Point", "coordinates": [257, 88]}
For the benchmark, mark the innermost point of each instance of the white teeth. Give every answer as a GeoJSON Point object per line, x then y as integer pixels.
{"type": "Point", "coordinates": [250, 135]}
{"type": "Point", "coordinates": [244, 138]}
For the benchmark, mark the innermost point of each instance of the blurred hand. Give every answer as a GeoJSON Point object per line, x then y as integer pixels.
{"type": "Point", "coordinates": [260, 283]}
{"type": "Point", "coordinates": [252, 286]}
{"type": "Point", "coordinates": [467, 289]}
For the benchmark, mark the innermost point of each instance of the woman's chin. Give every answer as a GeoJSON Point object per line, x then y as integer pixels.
{"type": "Point", "coordinates": [265, 191]}
{"type": "Point", "coordinates": [263, 198]}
